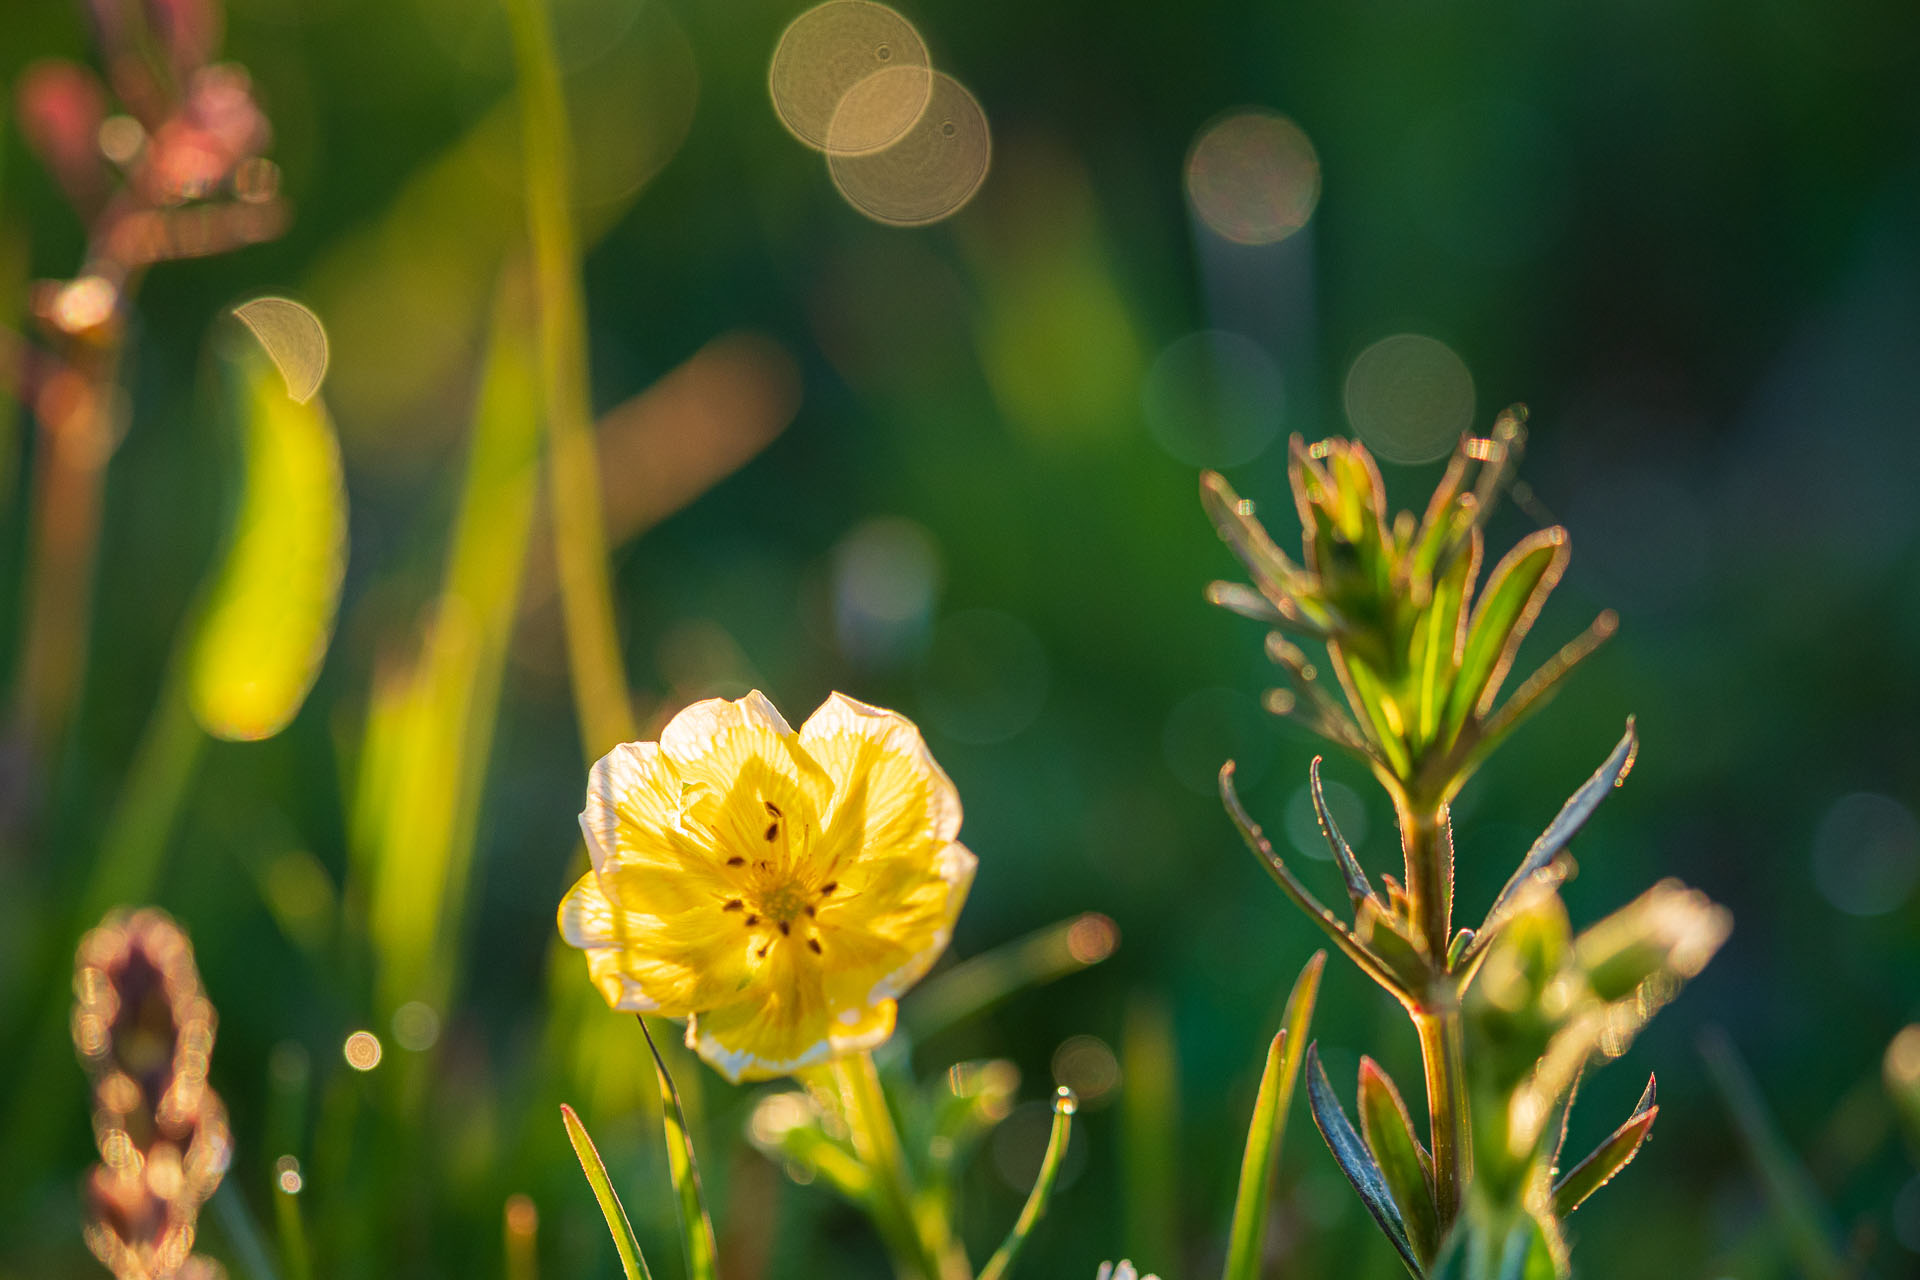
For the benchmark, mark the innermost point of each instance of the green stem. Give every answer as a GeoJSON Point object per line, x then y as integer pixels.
{"type": "Point", "coordinates": [600, 695]}
{"type": "Point", "coordinates": [1441, 1053]}
{"type": "Point", "coordinates": [877, 1142]}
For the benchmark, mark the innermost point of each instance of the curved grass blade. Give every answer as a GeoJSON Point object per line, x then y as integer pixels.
{"type": "Point", "coordinates": [1269, 1125]}
{"type": "Point", "coordinates": [1257, 841]}
{"type": "Point", "coordinates": [1356, 1161]}
{"type": "Point", "coordinates": [631, 1261]}
{"type": "Point", "coordinates": [1358, 889]}
{"type": "Point", "coordinates": [1573, 815]}
{"type": "Point", "coordinates": [1064, 1105]}
{"type": "Point", "coordinates": [696, 1228]}
{"type": "Point", "coordinates": [1387, 1128]}
{"type": "Point", "coordinates": [1516, 589]}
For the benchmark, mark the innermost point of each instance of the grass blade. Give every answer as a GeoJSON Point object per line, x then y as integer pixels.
{"type": "Point", "coordinates": [1608, 1159]}
{"type": "Point", "coordinates": [1269, 1125]}
{"type": "Point", "coordinates": [1356, 1161]}
{"type": "Point", "coordinates": [1803, 1219]}
{"type": "Point", "coordinates": [1064, 1105]}
{"type": "Point", "coordinates": [631, 1261]}
{"type": "Point", "coordinates": [696, 1227]}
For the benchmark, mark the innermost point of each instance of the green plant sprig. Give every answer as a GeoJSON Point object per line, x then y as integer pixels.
{"type": "Point", "coordinates": [1509, 1012]}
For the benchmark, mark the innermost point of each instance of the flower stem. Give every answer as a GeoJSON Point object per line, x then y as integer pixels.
{"type": "Point", "coordinates": [877, 1142]}
{"type": "Point", "coordinates": [1426, 839]}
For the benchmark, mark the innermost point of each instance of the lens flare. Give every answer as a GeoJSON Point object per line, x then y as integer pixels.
{"type": "Point", "coordinates": [850, 75]}
{"type": "Point", "coordinates": [1409, 397]}
{"type": "Point", "coordinates": [294, 339]}
{"type": "Point", "coordinates": [1253, 177]}
{"type": "Point", "coordinates": [362, 1050]}
{"type": "Point", "coordinates": [927, 173]}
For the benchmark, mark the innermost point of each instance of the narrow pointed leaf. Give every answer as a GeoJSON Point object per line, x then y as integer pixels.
{"type": "Point", "coordinates": [1538, 689]}
{"type": "Point", "coordinates": [1356, 1161]}
{"type": "Point", "coordinates": [1387, 1129]}
{"type": "Point", "coordinates": [1573, 815]}
{"type": "Point", "coordinates": [1256, 840]}
{"type": "Point", "coordinates": [1269, 1126]}
{"type": "Point", "coordinates": [1274, 575]}
{"type": "Point", "coordinates": [1515, 591]}
{"type": "Point", "coordinates": [1064, 1105]}
{"type": "Point", "coordinates": [1441, 637]}
{"type": "Point", "coordinates": [696, 1228]}
{"type": "Point", "coordinates": [631, 1261]}
{"type": "Point", "coordinates": [1358, 889]}
{"type": "Point", "coordinates": [1607, 1159]}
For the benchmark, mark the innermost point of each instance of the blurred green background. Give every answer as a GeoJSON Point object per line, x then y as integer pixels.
{"type": "Point", "coordinates": [1686, 235]}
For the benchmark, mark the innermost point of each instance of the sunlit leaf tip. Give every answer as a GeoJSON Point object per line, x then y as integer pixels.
{"type": "Point", "coordinates": [632, 1263]}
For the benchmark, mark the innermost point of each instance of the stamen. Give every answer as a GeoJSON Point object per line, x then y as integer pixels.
{"type": "Point", "coordinates": [752, 920]}
{"type": "Point", "coordinates": [810, 911]}
{"type": "Point", "coordinates": [733, 904]}
{"type": "Point", "coordinates": [829, 887]}
{"type": "Point", "coordinates": [773, 831]}
{"type": "Point", "coordinates": [786, 930]}
{"type": "Point", "coordinates": [736, 861]}
{"type": "Point", "coordinates": [773, 808]}
{"type": "Point", "coordinates": [813, 945]}
{"type": "Point", "coordinates": [762, 952]}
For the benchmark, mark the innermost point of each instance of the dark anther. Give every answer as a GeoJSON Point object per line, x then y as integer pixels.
{"type": "Point", "coordinates": [733, 904]}
{"type": "Point", "coordinates": [736, 861]}
{"type": "Point", "coordinates": [761, 953]}
{"type": "Point", "coordinates": [813, 944]}
{"type": "Point", "coordinates": [786, 930]}
{"type": "Point", "coordinates": [773, 808]}
{"type": "Point", "coordinates": [773, 830]}
{"type": "Point", "coordinates": [753, 920]}
{"type": "Point", "coordinates": [829, 887]}
{"type": "Point", "coordinates": [761, 865]}
{"type": "Point", "coordinates": [810, 911]}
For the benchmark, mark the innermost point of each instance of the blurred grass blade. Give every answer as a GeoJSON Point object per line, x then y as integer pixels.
{"type": "Point", "coordinates": [1356, 1161]}
{"type": "Point", "coordinates": [1064, 1105]}
{"type": "Point", "coordinates": [1387, 1128]}
{"type": "Point", "coordinates": [1573, 815]}
{"type": "Point", "coordinates": [976, 985]}
{"type": "Point", "coordinates": [1358, 889]}
{"type": "Point", "coordinates": [1245, 1245]}
{"type": "Point", "coordinates": [1801, 1216]}
{"type": "Point", "coordinates": [631, 1261]}
{"type": "Point", "coordinates": [602, 702]}
{"type": "Point", "coordinates": [1515, 591]}
{"type": "Point", "coordinates": [1607, 1159]}
{"type": "Point", "coordinates": [696, 1227]}
{"type": "Point", "coordinates": [1257, 841]}
{"type": "Point", "coordinates": [1149, 1118]}
{"type": "Point", "coordinates": [520, 1231]}
{"type": "Point", "coordinates": [270, 611]}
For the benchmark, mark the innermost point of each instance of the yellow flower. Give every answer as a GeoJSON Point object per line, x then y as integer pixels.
{"type": "Point", "coordinates": [778, 888]}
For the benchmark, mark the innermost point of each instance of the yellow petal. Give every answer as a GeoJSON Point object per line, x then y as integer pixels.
{"type": "Point", "coordinates": [648, 963]}
{"type": "Point", "coordinates": [734, 757]}
{"type": "Point", "coordinates": [888, 794]}
{"type": "Point", "coordinates": [893, 923]}
{"type": "Point", "coordinates": [759, 1037]}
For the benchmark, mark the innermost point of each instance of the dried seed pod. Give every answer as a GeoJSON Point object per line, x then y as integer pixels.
{"type": "Point", "coordinates": [144, 1029]}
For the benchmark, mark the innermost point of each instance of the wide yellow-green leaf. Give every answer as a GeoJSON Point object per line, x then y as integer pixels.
{"type": "Point", "coordinates": [270, 611]}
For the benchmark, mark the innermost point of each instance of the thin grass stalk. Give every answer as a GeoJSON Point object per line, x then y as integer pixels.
{"type": "Point", "coordinates": [602, 701]}
{"type": "Point", "coordinates": [696, 1225]}
{"type": "Point", "coordinates": [1064, 1105]}
{"type": "Point", "coordinates": [632, 1262]}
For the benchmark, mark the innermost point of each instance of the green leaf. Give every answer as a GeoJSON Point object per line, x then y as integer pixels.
{"type": "Point", "coordinates": [696, 1228]}
{"type": "Point", "coordinates": [269, 614]}
{"type": "Point", "coordinates": [1269, 1125]}
{"type": "Point", "coordinates": [1381, 712]}
{"type": "Point", "coordinates": [631, 1261]}
{"type": "Point", "coordinates": [1358, 889]}
{"type": "Point", "coordinates": [1515, 591]}
{"type": "Point", "coordinates": [1607, 1159]}
{"type": "Point", "coordinates": [1573, 815]}
{"type": "Point", "coordinates": [1256, 840]}
{"type": "Point", "coordinates": [1356, 1161]}
{"type": "Point", "coordinates": [1404, 1163]}
{"type": "Point", "coordinates": [788, 1129]}
{"type": "Point", "coordinates": [1538, 689]}
{"type": "Point", "coordinates": [1064, 1105]}
{"type": "Point", "coordinates": [1274, 575]}
{"type": "Point", "coordinates": [1441, 638]}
